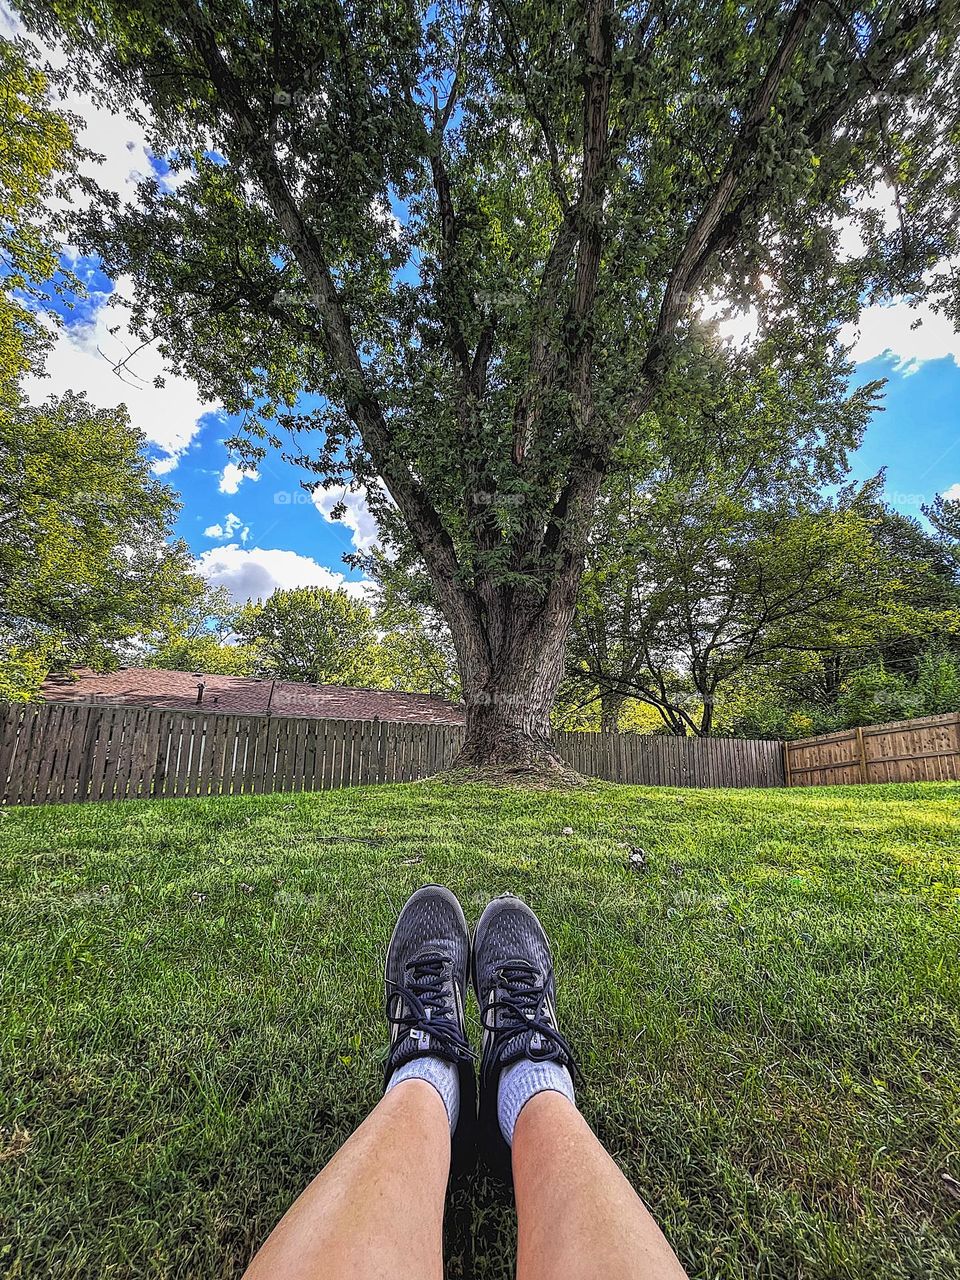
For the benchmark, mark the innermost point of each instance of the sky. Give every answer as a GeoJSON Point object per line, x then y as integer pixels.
{"type": "Point", "coordinates": [253, 533]}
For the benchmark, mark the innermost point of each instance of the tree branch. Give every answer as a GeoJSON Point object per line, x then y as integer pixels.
{"type": "Point", "coordinates": [689, 267]}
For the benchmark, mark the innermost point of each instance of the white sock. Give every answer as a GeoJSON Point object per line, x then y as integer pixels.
{"type": "Point", "coordinates": [443, 1075]}
{"type": "Point", "coordinates": [523, 1080]}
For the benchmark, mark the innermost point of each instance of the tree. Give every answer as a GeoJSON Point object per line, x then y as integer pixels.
{"type": "Point", "coordinates": [84, 562]}
{"type": "Point", "coordinates": [414, 654]}
{"type": "Point", "coordinates": [38, 157]}
{"type": "Point", "coordinates": [944, 514]}
{"type": "Point", "coordinates": [197, 634]}
{"type": "Point", "coordinates": [719, 584]}
{"type": "Point", "coordinates": [897, 660]}
{"type": "Point", "coordinates": [312, 634]}
{"type": "Point", "coordinates": [481, 234]}
{"type": "Point", "coordinates": [678, 597]}
{"type": "Point", "coordinates": [85, 566]}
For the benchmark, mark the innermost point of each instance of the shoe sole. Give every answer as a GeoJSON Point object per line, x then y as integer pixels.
{"type": "Point", "coordinates": [463, 1142]}
{"type": "Point", "coordinates": [493, 1148]}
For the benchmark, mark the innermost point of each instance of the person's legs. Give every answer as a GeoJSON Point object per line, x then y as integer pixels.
{"type": "Point", "coordinates": [375, 1212]}
{"type": "Point", "coordinates": [578, 1216]}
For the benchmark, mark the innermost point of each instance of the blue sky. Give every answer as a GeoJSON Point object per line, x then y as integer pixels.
{"type": "Point", "coordinates": [917, 436]}
{"type": "Point", "coordinates": [255, 534]}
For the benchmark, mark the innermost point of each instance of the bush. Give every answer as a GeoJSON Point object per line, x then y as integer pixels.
{"type": "Point", "coordinates": [873, 695]}
{"type": "Point", "coordinates": [938, 682]}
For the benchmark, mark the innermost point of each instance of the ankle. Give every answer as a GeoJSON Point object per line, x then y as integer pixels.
{"type": "Point", "coordinates": [524, 1080]}
{"type": "Point", "coordinates": [443, 1076]}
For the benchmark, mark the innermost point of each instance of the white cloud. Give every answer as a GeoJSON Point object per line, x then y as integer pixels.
{"type": "Point", "coordinates": [230, 526]}
{"type": "Point", "coordinates": [83, 358]}
{"type": "Point", "coordinates": [892, 330]}
{"type": "Point", "coordinates": [233, 476]}
{"type": "Point", "coordinates": [357, 516]}
{"type": "Point", "coordinates": [952, 494]}
{"type": "Point", "coordinates": [249, 574]}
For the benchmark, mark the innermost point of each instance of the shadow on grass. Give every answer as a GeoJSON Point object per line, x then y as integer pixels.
{"type": "Point", "coordinates": [480, 1231]}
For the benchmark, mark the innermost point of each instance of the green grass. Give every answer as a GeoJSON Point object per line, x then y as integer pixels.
{"type": "Point", "coordinates": [767, 1016]}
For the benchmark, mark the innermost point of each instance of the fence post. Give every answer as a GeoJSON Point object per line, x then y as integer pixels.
{"type": "Point", "coordinates": [786, 764]}
{"type": "Point", "coordinates": [861, 755]}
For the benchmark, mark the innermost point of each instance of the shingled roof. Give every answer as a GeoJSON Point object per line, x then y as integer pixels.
{"type": "Point", "coordinates": [243, 695]}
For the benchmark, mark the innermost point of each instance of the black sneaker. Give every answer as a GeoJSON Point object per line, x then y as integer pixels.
{"type": "Point", "coordinates": [426, 977]}
{"type": "Point", "coordinates": [513, 979]}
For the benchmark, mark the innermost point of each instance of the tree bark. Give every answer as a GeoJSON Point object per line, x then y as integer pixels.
{"type": "Point", "coordinates": [508, 699]}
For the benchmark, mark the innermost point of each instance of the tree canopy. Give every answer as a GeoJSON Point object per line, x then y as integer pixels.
{"type": "Point", "coordinates": [38, 155]}
{"type": "Point", "coordinates": [482, 234]}
{"type": "Point", "coordinates": [86, 567]}
{"type": "Point", "coordinates": [312, 634]}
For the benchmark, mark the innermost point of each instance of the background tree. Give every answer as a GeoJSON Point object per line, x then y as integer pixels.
{"type": "Point", "coordinates": [197, 634]}
{"type": "Point", "coordinates": [414, 653]}
{"type": "Point", "coordinates": [312, 634]}
{"type": "Point", "coordinates": [902, 666]}
{"type": "Point", "coordinates": [38, 156]}
{"type": "Point", "coordinates": [685, 585]}
{"type": "Point", "coordinates": [784, 700]}
{"type": "Point", "coordinates": [944, 515]}
{"type": "Point", "coordinates": [720, 584]}
{"type": "Point", "coordinates": [85, 566]}
{"type": "Point", "coordinates": [480, 232]}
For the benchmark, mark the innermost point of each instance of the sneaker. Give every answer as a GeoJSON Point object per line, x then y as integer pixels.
{"type": "Point", "coordinates": [426, 977]}
{"type": "Point", "coordinates": [513, 979]}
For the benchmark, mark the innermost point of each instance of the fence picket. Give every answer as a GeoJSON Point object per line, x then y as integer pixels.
{"type": "Point", "coordinates": [13, 715]}
{"type": "Point", "coordinates": [22, 751]}
{"type": "Point", "coordinates": [250, 754]}
{"type": "Point", "coordinates": [141, 777]}
{"type": "Point", "coordinates": [51, 726]}
{"type": "Point", "coordinates": [266, 755]}
{"type": "Point", "coordinates": [223, 778]}
{"type": "Point", "coordinates": [168, 744]}
{"type": "Point", "coordinates": [126, 760]}
{"type": "Point", "coordinates": [63, 782]}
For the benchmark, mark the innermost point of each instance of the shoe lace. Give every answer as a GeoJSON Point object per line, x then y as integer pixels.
{"type": "Point", "coordinates": [422, 1006]}
{"type": "Point", "coordinates": [521, 1006]}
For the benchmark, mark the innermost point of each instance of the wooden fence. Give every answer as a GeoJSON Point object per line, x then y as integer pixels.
{"type": "Point", "coordinates": [654, 760]}
{"type": "Point", "coordinates": [61, 752]}
{"type": "Point", "coordinates": [925, 750]}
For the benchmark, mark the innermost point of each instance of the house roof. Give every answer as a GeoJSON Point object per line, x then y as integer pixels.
{"type": "Point", "coordinates": [243, 695]}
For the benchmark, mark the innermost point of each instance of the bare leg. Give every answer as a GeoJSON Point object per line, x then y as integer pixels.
{"type": "Point", "coordinates": [579, 1218]}
{"type": "Point", "coordinates": [375, 1212]}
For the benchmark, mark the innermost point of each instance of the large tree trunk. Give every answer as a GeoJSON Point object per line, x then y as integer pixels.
{"type": "Point", "coordinates": [508, 700]}
{"type": "Point", "coordinates": [508, 727]}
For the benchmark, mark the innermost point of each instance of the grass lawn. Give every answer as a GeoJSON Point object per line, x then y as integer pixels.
{"type": "Point", "coordinates": [768, 1016]}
